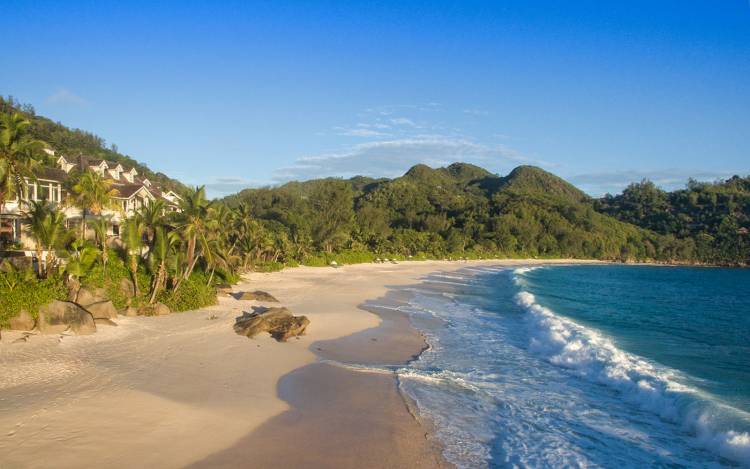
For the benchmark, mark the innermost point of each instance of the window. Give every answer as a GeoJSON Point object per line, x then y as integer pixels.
{"type": "Point", "coordinates": [116, 230]}
{"type": "Point", "coordinates": [44, 192]}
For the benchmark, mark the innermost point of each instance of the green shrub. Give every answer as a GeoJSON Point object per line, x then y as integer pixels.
{"type": "Point", "coordinates": [273, 266]}
{"type": "Point", "coordinates": [353, 257]}
{"type": "Point", "coordinates": [110, 279]}
{"type": "Point", "coordinates": [192, 294]}
{"type": "Point", "coordinates": [28, 294]}
{"type": "Point", "coordinates": [315, 260]}
{"type": "Point", "coordinates": [223, 276]}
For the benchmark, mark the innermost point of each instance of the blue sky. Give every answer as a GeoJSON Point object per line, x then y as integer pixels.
{"type": "Point", "coordinates": [237, 94]}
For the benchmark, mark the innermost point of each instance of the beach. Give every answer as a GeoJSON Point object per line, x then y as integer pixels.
{"type": "Point", "coordinates": [185, 391]}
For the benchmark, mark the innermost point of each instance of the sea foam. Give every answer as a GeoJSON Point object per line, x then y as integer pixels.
{"type": "Point", "coordinates": [661, 390]}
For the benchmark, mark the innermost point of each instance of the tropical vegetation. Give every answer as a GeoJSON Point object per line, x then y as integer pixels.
{"type": "Point", "coordinates": [458, 212]}
{"type": "Point", "coordinates": [712, 217]}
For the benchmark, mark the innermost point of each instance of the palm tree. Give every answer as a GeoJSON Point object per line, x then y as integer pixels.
{"type": "Point", "coordinates": [162, 247]}
{"type": "Point", "coordinates": [133, 241]}
{"type": "Point", "coordinates": [19, 155]}
{"type": "Point", "coordinates": [101, 226]}
{"type": "Point", "coordinates": [152, 216]}
{"type": "Point", "coordinates": [81, 259]}
{"type": "Point", "coordinates": [192, 224]}
{"type": "Point", "coordinates": [45, 226]}
{"type": "Point", "coordinates": [92, 193]}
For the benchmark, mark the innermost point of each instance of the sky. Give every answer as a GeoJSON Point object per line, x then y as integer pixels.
{"type": "Point", "coordinates": [244, 94]}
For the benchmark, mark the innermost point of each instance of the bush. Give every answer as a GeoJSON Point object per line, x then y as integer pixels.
{"type": "Point", "coordinates": [341, 258]}
{"type": "Point", "coordinates": [353, 257]}
{"type": "Point", "coordinates": [315, 260]}
{"type": "Point", "coordinates": [18, 294]}
{"type": "Point", "coordinates": [110, 280]}
{"type": "Point", "coordinates": [273, 266]}
{"type": "Point", "coordinates": [192, 294]}
{"type": "Point", "coordinates": [223, 276]}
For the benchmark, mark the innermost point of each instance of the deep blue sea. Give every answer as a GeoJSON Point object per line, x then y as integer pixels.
{"type": "Point", "coordinates": [585, 366]}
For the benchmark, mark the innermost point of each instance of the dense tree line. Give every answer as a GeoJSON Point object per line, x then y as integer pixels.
{"type": "Point", "coordinates": [458, 211]}
{"type": "Point", "coordinates": [713, 217]}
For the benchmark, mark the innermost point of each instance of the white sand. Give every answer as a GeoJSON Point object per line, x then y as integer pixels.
{"type": "Point", "coordinates": [171, 390]}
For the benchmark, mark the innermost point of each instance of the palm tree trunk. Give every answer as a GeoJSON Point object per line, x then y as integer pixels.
{"type": "Point", "coordinates": [134, 273]}
{"type": "Point", "coordinates": [50, 260]}
{"type": "Point", "coordinates": [105, 256]}
{"type": "Point", "coordinates": [83, 224]}
{"type": "Point", "coordinates": [190, 255]}
{"type": "Point", "coordinates": [211, 277]}
{"type": "Point", "coordinates": [39, 268]}
{"type": "Point", "coordinates": [187, 274]}
{"type": "Point", "coordinates": [158, 282]}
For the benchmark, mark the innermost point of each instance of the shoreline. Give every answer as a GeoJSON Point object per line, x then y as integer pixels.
{"type": "Point", "coordinates": [189, 384]}
{"type": "Point", "coordinates": [394, 341]}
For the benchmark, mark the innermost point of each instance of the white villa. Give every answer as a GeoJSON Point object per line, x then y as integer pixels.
{"type": "Point", "coordinates": [133, 192]}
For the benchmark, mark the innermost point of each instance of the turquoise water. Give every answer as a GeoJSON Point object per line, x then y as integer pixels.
{"type": "Point", "coordinates": [690, 319]}
{"type": "Point", "coordinates": [585, 366]}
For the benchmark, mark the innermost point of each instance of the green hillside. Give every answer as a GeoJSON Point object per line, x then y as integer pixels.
{"type": "Point", "coordinates": [458, 211]}
{"type": "Point", "coordinates": [76, 142]}
{"type": "Point", "coordinates": [713, 217]}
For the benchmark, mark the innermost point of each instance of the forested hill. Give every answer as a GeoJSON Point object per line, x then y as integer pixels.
{"type": "Point", "coordinates": [713, 216]}
{"type": "Point", "coordinates": [465, 211]}
{"type": "Point", "coordinates": [76, 142]}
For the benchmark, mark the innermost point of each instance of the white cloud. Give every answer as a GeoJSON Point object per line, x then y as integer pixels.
{"type": "Point", "coordinates": [476, 112]}
{"type": "Point", "coordinates": [223, 186]}
{"type": "Point", "coordinates": [397, 137]}
{"type": "Point", "coordinates": [65, 97]}
{"type": "Point", "coordinates": [403, 121]}
{"type": "Point", "coordinates": [359, 132]}
{"type": "Point", "coordinates": [392, 158]}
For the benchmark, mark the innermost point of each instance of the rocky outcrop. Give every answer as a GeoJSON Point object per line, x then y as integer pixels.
{"type": "Point", "coordinates": [162, 309]}
{"type": "Point", "coordinates": [102, 310]}
{"type": "Point", "coordinates": [23, 322]}
{"type": "Point", "coordinates": [224, 289]}
{"type": "Point", "coordinates": [127, 288]}
{"type": "Point", "coordinates": [156, 309]}
{"type": "Point", "coordinates": [279, 322]}
{"type": "Point", "coordinates": [64, 316]}
{"type": "Point", "coordinates": [130, 311]}
{"type": "Point", "coordinates": [73, 285]}
{"type": "Point", "coordinates": [104, 322]}
{"type": "Point", "coordinates": [87, 296]}
{"type": "Point", "coordinates": [256, 296]}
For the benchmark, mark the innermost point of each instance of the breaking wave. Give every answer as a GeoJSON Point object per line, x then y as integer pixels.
{"type": "Point", "coordinates": [591, 355]}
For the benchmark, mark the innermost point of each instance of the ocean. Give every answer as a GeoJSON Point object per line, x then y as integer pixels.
{"type": "Point", "coordinates": [585, 366]}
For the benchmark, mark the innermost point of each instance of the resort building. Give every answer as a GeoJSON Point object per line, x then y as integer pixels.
{"type": "Point", "coordinates": [52, 183]}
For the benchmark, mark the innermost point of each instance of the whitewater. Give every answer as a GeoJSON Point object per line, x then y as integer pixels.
{"type": "Point", "coordinates": [508, 380]}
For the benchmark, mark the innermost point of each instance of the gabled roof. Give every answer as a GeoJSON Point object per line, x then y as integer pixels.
{"type": "Point", "coordinates": [114, 164]}
{"type": "Point", "coordinates": [52, 174]}
{"type": "Point", "coordinates": [126, 191]}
